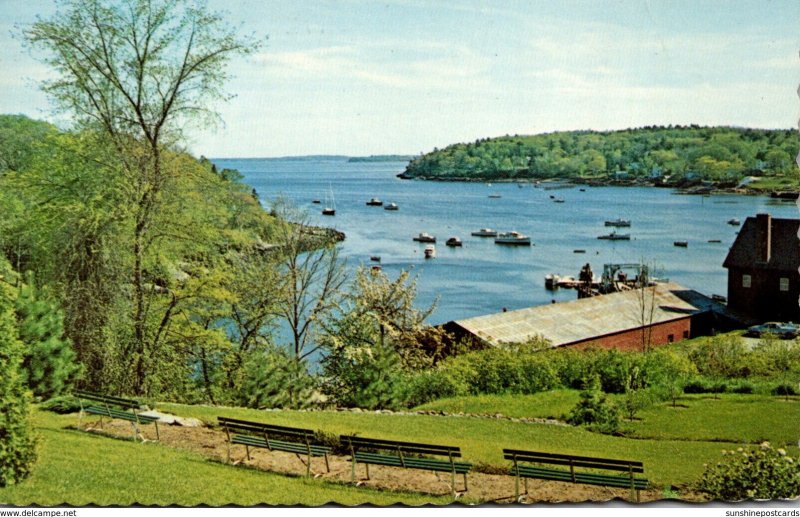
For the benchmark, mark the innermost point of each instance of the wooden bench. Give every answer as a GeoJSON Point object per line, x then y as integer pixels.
{"type": "Point", "coordinates": [591, 477]}
{"type": "Point", "coordinates": [301, 442]}
{"type": "Point", "coordinates": [406, 455]}
{"type": "Point", "coordinates": [115, 407]}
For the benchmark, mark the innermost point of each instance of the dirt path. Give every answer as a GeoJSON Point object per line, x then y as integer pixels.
{"type": "Point", "coordinates": [481, 487]}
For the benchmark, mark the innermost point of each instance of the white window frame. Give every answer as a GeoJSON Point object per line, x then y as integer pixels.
{"type": "Point", "coordinates": [747, 281]}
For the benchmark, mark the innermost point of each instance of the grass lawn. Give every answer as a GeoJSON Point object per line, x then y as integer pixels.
{"type": "Point", "coordinates": [667, 462]}
{"type": "Point", "coordinates": [79, 468]}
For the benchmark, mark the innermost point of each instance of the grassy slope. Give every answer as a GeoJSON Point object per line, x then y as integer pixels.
{"type": "Point", "coordinates": [667, 462]}
{"type": "Point", "coordinates": [78, 468]}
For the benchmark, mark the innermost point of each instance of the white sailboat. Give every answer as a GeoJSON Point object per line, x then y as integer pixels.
{"type": "Point", "coordinates": [330, 208]}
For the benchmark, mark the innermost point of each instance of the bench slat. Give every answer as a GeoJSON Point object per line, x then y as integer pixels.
{"type": "Point", "coordinates": [405, 447]}
{"type": "Point", "coordinates": [577, 461]}
{"type": "Point", "coordinates": [413, 463]}
{"type": "Point", "coordinates": [108, 399]}
{"type": "Point", "coordinates": [248, 426]}
{"type": "Point", "coordinates": [277, 445]}
{"type": "Point", "coordinates": [120, 414]}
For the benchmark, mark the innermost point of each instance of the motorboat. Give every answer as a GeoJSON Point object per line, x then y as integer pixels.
{"type": "Point", "coordinates": [425, 237]}
{"type": "Point", "coordinates": [391, 206]}
{"type": "Point", "coordinates": [453, 242]}
{"type": "Point", "coordinates": [330, 209]}
{"type": "Point", "coordinates": [681, 244]}
{"type": "Point", "coordinates": [430, 251]}
{"type": "Point", "coordinates": [374, 202]}
{"type": "Point", "coordinates": [619, 223]}
{"type": "Point", "coordinates": [485, 232]}
{"type": "Point", "coordinates": [734, 222]}
{"type": "Point", "coordinates": [614, 236]}
{"type": "Point", "coordinates": [512, 238]}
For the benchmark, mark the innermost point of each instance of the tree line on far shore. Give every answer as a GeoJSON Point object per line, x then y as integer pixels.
{"type": "Point", "coordinates": [670, 154]}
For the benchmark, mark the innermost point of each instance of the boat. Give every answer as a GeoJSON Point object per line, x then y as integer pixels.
{"type": "Point", "coordinates": [374, 202]}
{"type": "Point", "coordinates": [714, 241]}
{"type": "Point", "coordinates": [425, 237]}
{"type": "Point", "coordinates": [681, 244]}
{"type": "Point", "coordinates": [485, 232]}
{"type": "Point", "coordinates": [453, 242]}
{"type": "Point", "coordinates": [375, 258]}
{"type": "Point", "coordinates": [578, 251]}
{"type": "Point", "coordinates": [513, 238]}
{"type": "Point", "coordinates": [558, 200]}
{"type": "Point", "coordinates": [734, 222]}
{"type": "Point", "coordinates": [614, 236]}
{"type": "Point", "coordinates": [551, 281]}
{"type": "Point", "coordinates": [619, 223]}
{"type": "Point", "coordinates": [391, 206]}
{"type": "Point", "coordinates": [494, 196]}
{"type": "Point", "coordinates": [430, 251]}
{"type": "Point", "coordinates": [316, 201]}
{"type": "Point", "coordinates": [331, 209]}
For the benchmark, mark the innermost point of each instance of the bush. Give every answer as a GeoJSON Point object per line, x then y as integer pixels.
{"type": "Point", "coordinates": [784, 389]}
{"type": "Point", "coordinates": [762, 473]}
{"type": "Point", "coordinates": [276, 379]}
{"type": "Point", "coordinates": [62, 405]}
{"type": "Point", "coordinates": [595, 412]}
{"type": "Point", "coordinates": [430, 385]}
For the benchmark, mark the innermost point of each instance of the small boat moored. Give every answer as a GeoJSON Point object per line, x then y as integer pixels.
{"type": "Point", "coordinates": [425, 237]}
{"type": "Point", "coordinates": [453, 242]}
{"type": "Point", "coordinates": [614, 236]}
{"type": "Point", "coordinates": [681, 244]}
{"type": "Point", "coordinates": [512, 238]}
{"type": "Point", "coordinates": [375, 258]}
{"type": "Point", "coordinates": [316, 201]}
{"type": "Point", "coordinates": [374, 202]}
{"type": "Point", "coordinates": [391, 206]}
{"type": "Point", "coordinates": [734, 222]}
{"type": "Point", "coordinates": [619, 223]}
{"type": "Point", "coordinates": [485, 232]}
{"type": "Point", "coordinates": [430, 251]}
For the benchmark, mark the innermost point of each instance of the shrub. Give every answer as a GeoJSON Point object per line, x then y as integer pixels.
{"type": "Point", "coordinates": [594, 411]}
{"type": "Point", "coordinates": [784, 389]}
{"type": "Point", "coordinates": [743, 387]}
{"type": "Point", "coordinates": [761, 473]}
{"type": "Point", "coordinates": [278, 380]}
{"type": "Point", "coordinates": [62, 405]}
{"type": "Point", "coordinates": [17, 447]}
{"type": "Point", "coordinates": [722, 356]}
{"type": "Point", "coordinates": [430, 385]}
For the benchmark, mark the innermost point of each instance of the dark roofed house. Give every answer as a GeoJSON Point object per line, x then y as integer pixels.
{"type": "Point", "coordinates": [763, 278]}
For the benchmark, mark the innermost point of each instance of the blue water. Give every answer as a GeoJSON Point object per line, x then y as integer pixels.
{"type": "Point", "coordinates": [482, 277]}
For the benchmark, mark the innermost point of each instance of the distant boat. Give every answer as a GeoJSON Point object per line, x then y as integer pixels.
{"type": "Point", "coordinates": [551, 281]}
{"type": "Point", "coordinates": [582, 190]}
{"type": "Point", "coordinates": [430, 251]}
{"type": "Point", "coordinates": [681, 244]}
{"type": "Point", "coordinates": [485, 232]}
{"type": "Point", "coordinates": [734, 222]}
{"type": "Point", "coordinates": [425, 237]}
{"type": "Point", "coordinates": [316, 201]}
{"type": "Point", "coordinates": [714, 241]}
{"type": "Point", "coordinates": [494, 196]}
{"type": "Point", "coordinates": [375, 258]}
{"type": "Point", "coordinates": [578, 251]}
{"type": "Point", "coordinates": [391, 206]}
{"type": "Point", "coordinates": [619, 223]}
{"type": "Point", "coordinates": [453, 242]}
{"type": "Point", "coordinates": [614, 236]}
{"type": "Point", "coordinates": [558, 200]}
{"type": "Point", "coordinates": [374, 202]}
{"type": "Point", "coordinates": [331, 209]}
{"type": "Point", "coordinates": [513, 238]}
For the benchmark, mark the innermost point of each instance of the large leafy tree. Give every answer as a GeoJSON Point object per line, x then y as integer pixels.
{"type": "Point", "coordinates": [139, 72]}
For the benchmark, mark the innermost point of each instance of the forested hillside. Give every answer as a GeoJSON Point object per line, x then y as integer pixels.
{"type": "Point", "coordinates": [673, 154]}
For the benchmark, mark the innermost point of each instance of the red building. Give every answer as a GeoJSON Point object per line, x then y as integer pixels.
{"type": "Point", "coordinates": [629, 320]}
{"type": "Point", "coordinates": [763, 278]}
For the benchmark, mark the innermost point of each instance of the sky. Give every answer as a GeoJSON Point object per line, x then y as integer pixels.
{"type": "Point", "coordinates": [363, 77]}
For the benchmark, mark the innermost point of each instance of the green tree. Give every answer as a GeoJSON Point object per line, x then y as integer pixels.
{"type": "Point", "coordinates": [17, 449]}
{"type": "Point", "coordinates": [139, 71]}
{"type": "Point", "coordinates": [49, 365]}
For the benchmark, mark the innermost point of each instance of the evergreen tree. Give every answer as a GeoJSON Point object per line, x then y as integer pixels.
{"type": "Point", "coordinates": [48, 365]}
{"type": "Point", "coordinates": [17, 448]}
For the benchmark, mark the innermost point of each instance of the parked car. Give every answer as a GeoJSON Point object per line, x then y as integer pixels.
{"type": "Point", "coordinates": [781, 330]}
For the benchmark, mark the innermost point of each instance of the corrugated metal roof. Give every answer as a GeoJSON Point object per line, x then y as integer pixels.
{"type": "Point", "coordinates": [589, 318]}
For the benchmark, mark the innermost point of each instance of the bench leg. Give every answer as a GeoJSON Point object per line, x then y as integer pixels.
{"type": "Point", "coordinates": [327, 466]}
{"type": "Point", "coordinates": [247, 448]}
{"type": "Point", "coordinates": [516, 488]}
{"type": "Point", "coordinates": [308, 466]}
{"type": "Point", "coordinates": [526, 486]}
{"type": "Point", "coordinates": [158, 436]}
{"type": "Point", "coordinates": [353, 469]}
{"type": "Point", "coordinates": [367, 467]}
{"type": "Point", "coordinates": [465, 482]}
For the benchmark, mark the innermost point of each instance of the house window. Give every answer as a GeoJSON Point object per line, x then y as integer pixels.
{"type": "Point", "coordinates": [746, 281]}
{"type": "Point", "coordinates": [671, 338]}
{"type": "Point", "coordinates": [784, 284]}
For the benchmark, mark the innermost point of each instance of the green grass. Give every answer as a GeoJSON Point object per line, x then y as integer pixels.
{"type": "Point", "coordinates": [550, 404]}
{"type": "Point", "coordinates": [730, 417]}
{"type": "Point", "coordinates": [79, 468]}
{"type": "Point", "coordinates": [667, 462]}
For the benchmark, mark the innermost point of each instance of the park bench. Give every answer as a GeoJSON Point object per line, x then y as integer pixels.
{"type": "Point", "coordinates": [301, 442]}
{"type": "Point", "coordinates": [115, 407]}
{"type": "Point", "coordinates": [408, 455]}
{"type": "Point", "coordinates": [590, 476]}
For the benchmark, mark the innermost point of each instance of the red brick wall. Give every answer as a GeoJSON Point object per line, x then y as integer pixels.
{"type": "Point", "coordinates": [632, 339]}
